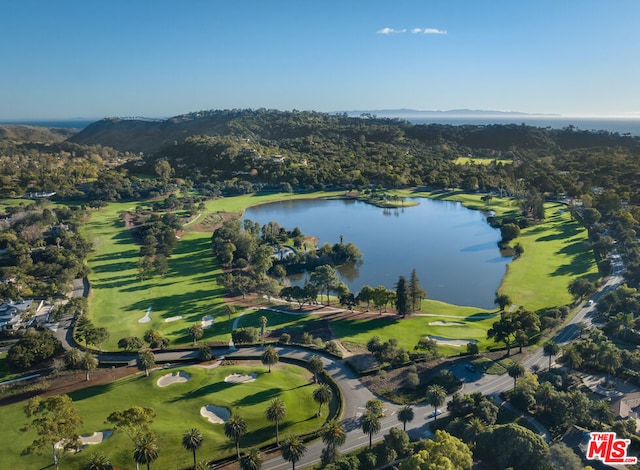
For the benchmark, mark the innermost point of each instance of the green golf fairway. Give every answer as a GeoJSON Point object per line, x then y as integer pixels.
{"type": "Point", "coordinates": [177, 408]}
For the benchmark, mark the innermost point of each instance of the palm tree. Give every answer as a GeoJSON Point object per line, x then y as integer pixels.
{"type": "Point", "coordinates": [89, 363]}
{"type": "Point", "coordinates": [515, 370]}
{"type": "Point", "coordinates": [436, 395]}
{"type": "Point", "coordinates": [269, 357]}
{"type": "Point", "coordinates": [146, 449]}
{"type": "Point", "coordinates": [235, 427]}
{"type": "Point", "coordinates": [322, 395]}
{"type": "Point", "coordinates": [192, 440]}
{"type": "Point", "coordinates": [545, 395]}
{"type": "Point", "coordinates": [145, 360]}
{"type": "Point", "coordinates": [550, 349]}
{"type": "Point", "coordinates": [610, 358]}
{"type": "Point", "coordinates": [370, 424]}
{"type": "Point", "coordinates": [196, 332]}
{"type": "Point", "coordinates": [333, 436]}
{"type": "Point", "coordinates": [473, 428]}
{"type": "Point", "coordinates": [405, 415]}
{"type": "Point", "coordinates": [251, 460]}
{"type": "Point", "coordinates": [315, 366]}
{"type": "Point", "coordinates": [276, 411]}
{"type": "Point", "coordinates": [293, 449]}
{"type": "Point", "coordinates": [98, 461]}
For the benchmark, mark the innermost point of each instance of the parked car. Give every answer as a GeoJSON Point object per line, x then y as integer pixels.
{"type": "Point", "coordinates": [435, 413]}
{"type": "Point", "coordinates": [470, 367]}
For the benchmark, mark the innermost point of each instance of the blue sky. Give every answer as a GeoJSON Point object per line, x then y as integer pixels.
{"type": "Point", "coordinates": [64, 59]}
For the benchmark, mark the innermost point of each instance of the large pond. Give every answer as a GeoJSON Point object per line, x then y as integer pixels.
{"type": "Point", "coordinates": [453, 249]}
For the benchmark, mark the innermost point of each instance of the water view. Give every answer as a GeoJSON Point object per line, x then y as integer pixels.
{"type": "Point", "coordinates": [452, 248]}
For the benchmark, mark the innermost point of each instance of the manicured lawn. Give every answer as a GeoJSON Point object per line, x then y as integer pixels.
{"type": "Point", "coordinates": [177, 408]}
{"type": "Point", "coordinates": [468, 325]}
{"type": "Point", "coordinates": [555, 253]}
{"type": "Point", "coordinates": [119, 298]}
{"type": "Point", "coordinates": [275, 320]}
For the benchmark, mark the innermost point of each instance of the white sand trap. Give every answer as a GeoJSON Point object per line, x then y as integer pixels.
{"type": "Point", "coordinates": [147, 317]}
{"type": "Point", "coordinates": [170, 319]}
{"type": "Point", "coordinates": [172, 378]}
{"type": "Point", "coordinates": [96, 437]}
{"type": "Point", "coordinates": [207, 322]}
{"type": "Point", "coordinates": [458, 343]}
{"type": "Point", "coordinates": [215, 414]}
{"type": "Point", "coordinates": [446, 323]}
{"type": "Point", "coordinates": [240, 378]}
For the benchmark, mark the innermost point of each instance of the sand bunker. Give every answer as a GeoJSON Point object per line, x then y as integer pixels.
{"type": "Point", "coordinates": [170, 319]}
{"type": "Point", "coordinates": [446, 323]}
{"type": "Point", "coordinates": [240, 378]}
{"type": "Point", "coordinates": [215, 414]}
{"type": "Point", "coordinates": [172, 378]}
{"type": "Point", "coordinates": [96, 437]}
{"type": "Point", "coordinates": [458, 343]}
{"type": "Point", "coordinates": [147, 317]}
{"type": "Point", "coordinates": [207, 321]}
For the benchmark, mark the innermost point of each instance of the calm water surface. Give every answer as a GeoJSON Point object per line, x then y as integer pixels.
{"type": "Point", "coordinates": [453, 249]}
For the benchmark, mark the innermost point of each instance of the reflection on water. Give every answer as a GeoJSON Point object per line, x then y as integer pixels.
{"type": "Point", "coordinates": [453, 249]}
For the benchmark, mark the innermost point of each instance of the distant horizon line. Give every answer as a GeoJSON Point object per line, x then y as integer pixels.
{"type": "Point", "coordinates": [457, 112]}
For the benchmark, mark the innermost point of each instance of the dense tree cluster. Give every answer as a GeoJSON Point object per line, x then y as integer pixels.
{"type": "Point", "coordinates": [157, 236]}
{"type": "Point", "coordinates": [41, 251]}
{"type": "Point", "coordinates": [33, 349]}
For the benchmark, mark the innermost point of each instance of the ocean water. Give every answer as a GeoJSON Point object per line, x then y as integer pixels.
{"type": "Point", "coordinates": [66, 124]}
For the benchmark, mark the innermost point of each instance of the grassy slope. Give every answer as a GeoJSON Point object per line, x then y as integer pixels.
{"type": "Point", "coordinates": [119, 299]}
{"type": "Point", "coordinates": [177, 409]}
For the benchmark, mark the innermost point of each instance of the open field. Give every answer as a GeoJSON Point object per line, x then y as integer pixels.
{"type": "Point", "coordinates": [177, 409]}
{"type": "Point", "coordinates": [555, 253]}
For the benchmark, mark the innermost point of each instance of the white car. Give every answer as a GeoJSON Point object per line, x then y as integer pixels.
{"type": "Point", "coordinates": [435, 413]}
{"type": "Point", "coordinates": [590, 303]}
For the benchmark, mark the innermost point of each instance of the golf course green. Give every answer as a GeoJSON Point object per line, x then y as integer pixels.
{"type": "Point", "coordinates": [178, 407]}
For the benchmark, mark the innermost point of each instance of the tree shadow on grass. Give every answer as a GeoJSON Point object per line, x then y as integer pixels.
{"type": "Point", "coordinates": [565, 232]}
{"type": "Point", "coordinates": [202, 391]}
{"type": "Point", "coordinates": [102, 388]}
{"type": "Point", "coordinates": [481, 316]}
{"type": "Point", "coordinates": [260, 397]}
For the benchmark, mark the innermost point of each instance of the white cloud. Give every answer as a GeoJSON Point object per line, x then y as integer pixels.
{"type": "Point", "coordinates": [434, 31]}
{"type": "Point", "coordinates": [413, 31]}
{"type": "Point", "coordinates": [391, 31]}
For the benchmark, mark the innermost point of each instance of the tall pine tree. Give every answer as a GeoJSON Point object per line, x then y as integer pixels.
{"type": "Point", "coordinates": [416, 293]}
{"type": "Point", "coordinates": [402, 297]}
